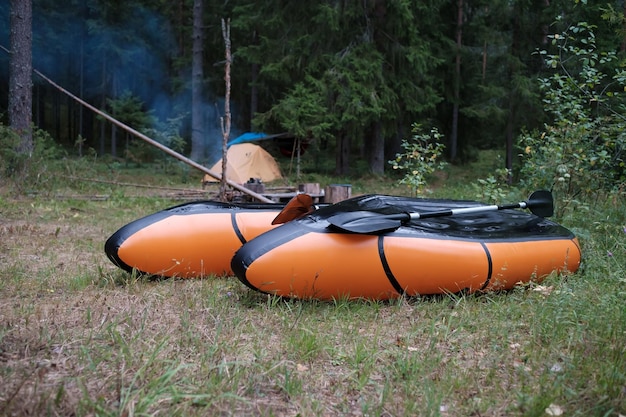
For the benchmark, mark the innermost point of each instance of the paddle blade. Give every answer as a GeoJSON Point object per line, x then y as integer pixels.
{"type": "Point", "coordinates": [298, 206]}
{"type": "Point", "coordinates": [540, 203]}
{"type": "Point", "coordinates": [367, 222]}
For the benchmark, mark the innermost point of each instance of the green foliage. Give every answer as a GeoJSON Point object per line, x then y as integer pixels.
{"type": "Point", "coordinates": [28, 172]}
{"type": "Point", "coordinates": [582, 151]}
{"type": "Point", "coordinates": [128, 109]}
{"type": "Point", "coordinates": [357, 85]}
{"type": "Point", "coordinates": [302, 112]}
{"type": "Point", "coordinates": [168, 134]}
{"type": "Point", "coordinates": [420, 158]}
{"type": "Point", "coordinates": [494, 187]}
{"type": "Point", "coordinates": [10, 159]}
{"type": "Point", "coordinates": [336, 68]}
{"type": "Point", "coordinates": [330, 70]}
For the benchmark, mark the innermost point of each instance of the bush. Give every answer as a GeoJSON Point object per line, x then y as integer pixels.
{"type": "Point", "coordinates": [24, 171]}
{"type": "Point", "coordinates": [582, 151]}
{"type": "Point", "coordinates": [420, 158]}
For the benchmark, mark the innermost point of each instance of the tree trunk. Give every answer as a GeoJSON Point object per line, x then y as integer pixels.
{"type": "Point", "coordinates": [623, 46]}
{"type": "Point", "coordinates": [376, 149]}
{"type": "Point", "coordinates": [514, 51]}
{"type": "Point", "coordinates": [197, 76]}
{"type": "Point", "coordinates": [114, 141]}
{"type": "Point", "coordinates": [509, 138]}
{"type": "Point", "coordinates": [81, 63]}
{"type": "Point", "coordinates": [454, 134]}
{"type": "Point", "coordinates": [342, 166]}
{"type": "Point", "coordinates": [56, 114]}
{"type": "Point", "coordinates": [254, 90]}
{"type": "Point", "coordinates": [103, 103]}
{"type": "Point", "coordinates": [20, 74]}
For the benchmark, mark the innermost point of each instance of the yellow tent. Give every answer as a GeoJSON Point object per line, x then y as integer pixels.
{"type": "Point", "coordinates": [245, 161]}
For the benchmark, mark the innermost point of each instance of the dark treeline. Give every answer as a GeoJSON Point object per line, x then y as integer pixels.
{"type": "Point", "coordinates": [349, 76]}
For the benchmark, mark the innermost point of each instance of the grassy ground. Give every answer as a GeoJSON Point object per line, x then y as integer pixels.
{"type": "Point", "coordinates": [80, 337]}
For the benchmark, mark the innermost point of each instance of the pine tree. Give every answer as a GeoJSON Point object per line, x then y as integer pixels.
{"type": "Point", "coordinates": [20, 75]}
{"type": "Point", "coordinates": [197, 76]}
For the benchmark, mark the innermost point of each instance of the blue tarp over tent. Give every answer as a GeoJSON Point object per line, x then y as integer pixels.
{"type": "Point", "coordinates": [254, 136]}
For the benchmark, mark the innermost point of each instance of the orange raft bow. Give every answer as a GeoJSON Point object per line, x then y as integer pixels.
{"type": "Point", "coordinates": [196, 239]}
{"type": "Point", "coordinates": [310, 258]}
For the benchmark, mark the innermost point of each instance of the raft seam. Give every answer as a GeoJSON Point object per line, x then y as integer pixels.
{"type": "Point", "coordinates": [490, 268]}
{"type": "Point", "coordinates": [383, 260]}
{"type": "Point", "coordinates": [233, 220]}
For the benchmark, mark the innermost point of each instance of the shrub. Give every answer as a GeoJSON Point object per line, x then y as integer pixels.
{"type": "Point", "coordinates": [28, 172]}
{"type": "Point", "coordinates": [420, 158]}
{"type": "Point", "coordinates": [581, 152]}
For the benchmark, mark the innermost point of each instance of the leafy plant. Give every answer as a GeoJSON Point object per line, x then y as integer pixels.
{"type": "Point", "coordinates": [28, 171]}
{"type": "Point", "coordinates": [10, 159]}
{"type": "Point", "coordinates": [582, 151]}
{"type": "Point", "coordinates": [420, 158]}
{"type": "Point", "coordinates": [494, 187]}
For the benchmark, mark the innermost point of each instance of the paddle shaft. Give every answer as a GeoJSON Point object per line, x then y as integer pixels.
{"type": "Point", "coordinates": [464, 210]}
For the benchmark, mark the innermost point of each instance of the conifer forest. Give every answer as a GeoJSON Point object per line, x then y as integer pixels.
{"type": "Point", "coordinates": [349, 78]}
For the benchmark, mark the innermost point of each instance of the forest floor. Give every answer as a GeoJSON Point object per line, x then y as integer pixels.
{"type": "Point", "coordinates": [78, 336]}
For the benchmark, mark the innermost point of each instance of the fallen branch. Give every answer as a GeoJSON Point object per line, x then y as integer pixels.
{"type": "Point", "coordinates": [129, 184]}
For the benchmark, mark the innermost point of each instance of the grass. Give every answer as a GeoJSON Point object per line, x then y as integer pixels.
{"type": "Point", "coordinates": [80, 337]}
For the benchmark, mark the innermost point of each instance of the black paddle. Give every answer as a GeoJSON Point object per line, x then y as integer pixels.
{"type": "Point", "coordinates": [540, 203]}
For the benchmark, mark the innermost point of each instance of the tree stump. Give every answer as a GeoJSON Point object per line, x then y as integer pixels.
{"type": "Point", "coordinates": [313, 189]}
{"type": "Point", "coordinates": [335, 193]}
{"type": "Point", "coordinates": [309, 188]}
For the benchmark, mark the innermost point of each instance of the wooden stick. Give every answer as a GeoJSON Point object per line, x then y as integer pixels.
{"type": "Point", "coordinates": [226, 119]}
{"type": "Point", "coordinates": [129, 184]}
